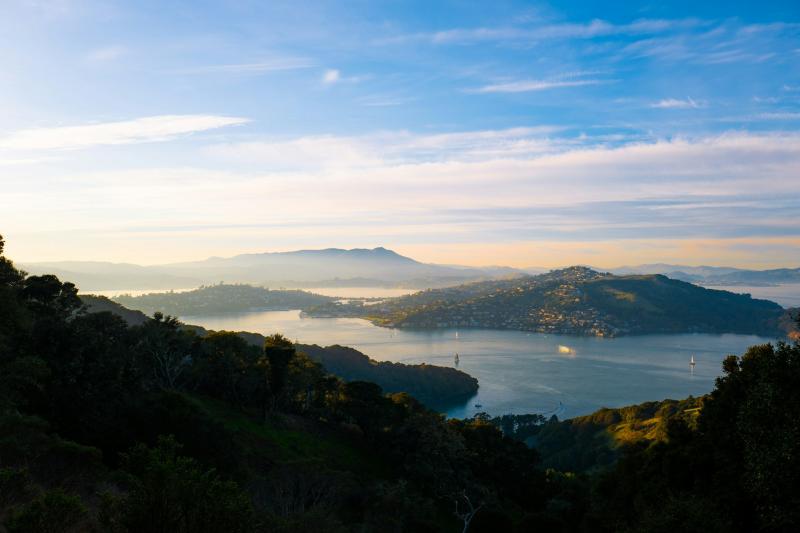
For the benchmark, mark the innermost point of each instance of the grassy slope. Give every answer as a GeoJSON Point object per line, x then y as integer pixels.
{"type": "Point", "coordinates": [594, 441]}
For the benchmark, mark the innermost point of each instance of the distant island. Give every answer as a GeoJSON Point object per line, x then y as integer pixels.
{"type": "Point", "coordinates": [221, 299]}
{"type": "Point", "coordinates": [576, 301]}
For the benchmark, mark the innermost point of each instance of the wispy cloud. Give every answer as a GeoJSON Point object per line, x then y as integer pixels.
{"type": "Point", "coordinates": [140, 130]}
{"type": "Point", "coordinates": [674, 103]}
{"type": "Point", "coordinates": [258, 67]}
{"type": "Point", "coordinates": [522, 86]}
{"type": "Point", "coordinates": [106, 54]}
{"type": "Point", "coordinates": [334, 76]}
{"type": "Point", "coordinates": [782, 115]}
{"type": "Point", "coordinates": [589, 30]}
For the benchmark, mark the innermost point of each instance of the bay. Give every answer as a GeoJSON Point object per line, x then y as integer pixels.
{"type": "Point", "coordinates": [523, 372]}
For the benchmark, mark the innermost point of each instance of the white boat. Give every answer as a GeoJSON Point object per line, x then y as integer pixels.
{"type": "Point", "coordinates": [455, 359]}
{"type": "Point", "coordinates": [692, 363]}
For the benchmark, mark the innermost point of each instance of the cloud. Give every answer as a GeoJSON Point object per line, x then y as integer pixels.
{"type": "Point", "coordinates": [785, 115]}
{"type": "Point", "coordinates": [140, 130]}
{"type": "Point", "coordinates": [529, 184]}
{"type": "Point", "coordinates": [259, 67]}
{"type": "Point", "coordinates": [106, 54]}
{"type": "Point", "coordinates": [334, 76]}
{"type": "Point", "coordinates": [592, 29]}
{"type": "Point", "coordinates": [522, 86]}
{"type": "Point", "coordinates": [674, 103]}
{"type": "Point", "coordinates": [331, 76]}
{"type": "Point", "coordinates": [386, 149]}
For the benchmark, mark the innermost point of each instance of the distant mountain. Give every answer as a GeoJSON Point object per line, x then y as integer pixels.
{"type": "Point", "coordinates": [328, 267]}
{"type": "Point", "coordinates": [722, 276]}
{"type": "Point", "coordinates": [576, 300]}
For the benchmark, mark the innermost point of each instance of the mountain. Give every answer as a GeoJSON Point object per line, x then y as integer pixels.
{"type": "Point", "coordinates": [707, 275]}
{"type": "Point", "coordinates": [576, 300]}
{"type": "Point", "coordinates": [331, 266]}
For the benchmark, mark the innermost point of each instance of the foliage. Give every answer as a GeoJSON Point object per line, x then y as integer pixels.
{"type": "Point", "coordinates": [53, 512]}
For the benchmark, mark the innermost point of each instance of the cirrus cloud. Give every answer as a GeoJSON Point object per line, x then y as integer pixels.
{"type": "Point", "coordinates": [140, 130]}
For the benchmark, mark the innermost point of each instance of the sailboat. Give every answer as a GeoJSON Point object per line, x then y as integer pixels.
{"type": "Point", "coordinates": [455, 359]}
{"type": "Point", "coordinates": [692, 363]}
{"type": "Point", "coordinates": [456, 334]}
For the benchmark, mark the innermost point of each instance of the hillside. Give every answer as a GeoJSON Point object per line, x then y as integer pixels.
{"type": "Point", "coordinates": [594, 442]}
{"type": "Point", "coordinates": [577, 300]}
{"type": "Point", "coordinates": [437, 387]}
{"type": "Point", "coordinates": [221, 299]}
{"type": "Point", "coordinates": [706, 275]}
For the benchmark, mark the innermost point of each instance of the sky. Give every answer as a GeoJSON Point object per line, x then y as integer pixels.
{"type": "Point", "coordinates": [527, 134]}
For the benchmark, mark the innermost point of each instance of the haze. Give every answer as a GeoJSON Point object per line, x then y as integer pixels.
{"type": "Point", "coordinates": [505, 133]}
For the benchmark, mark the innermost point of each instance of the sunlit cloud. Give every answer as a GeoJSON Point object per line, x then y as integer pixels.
{"type": "Point", "coordinates": [331, 76]}
{"type": "Point", "coordinates": [140, 130]}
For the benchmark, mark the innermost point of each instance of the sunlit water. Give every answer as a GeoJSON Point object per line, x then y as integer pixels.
{"type": "Point", "coordinates": [360, 292]}
{"type": "Point", "coordinates": [113, 293]}
{"type": "Point", "coordinates": [524, 372]}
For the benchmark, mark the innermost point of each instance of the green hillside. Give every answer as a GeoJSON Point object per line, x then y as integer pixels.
{"type": "Point", "coordinates": [579, 301]}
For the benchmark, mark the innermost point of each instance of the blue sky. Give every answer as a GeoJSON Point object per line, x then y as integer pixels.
{"type": "Point", "coordinates": [523, 133]}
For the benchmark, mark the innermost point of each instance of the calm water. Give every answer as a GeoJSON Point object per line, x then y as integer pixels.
{"type": "Point", "coordinates": [521, 372]}
{"type": "Point", "coordinates": [112, 293]}
{"type": "Point", "coordinates": [360, 292]}
{"type": "Point", "coordinates": [787, 294]}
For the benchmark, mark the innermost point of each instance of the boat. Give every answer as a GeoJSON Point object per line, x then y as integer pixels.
{"type": "Point", "coordinates": [478, 406]}
{"type": "Point", "coordinates": [566, 350]}
{"type": "Point", "coordinates": [455, 359]}
{"type": "Point", "coordinates": [692, 363]}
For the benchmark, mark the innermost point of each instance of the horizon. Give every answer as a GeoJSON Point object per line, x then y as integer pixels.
{"type": "Point", "coordinates": [478, 265]}
{"type": "Point", "coordinates": [521, 134]}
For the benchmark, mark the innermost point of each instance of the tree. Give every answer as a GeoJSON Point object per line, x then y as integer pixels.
{"type": "Point", "coordinates": [173, 494]}
{"type": "Point", "coordinates": [53, 512]}
{"type": "Point", "coordinates": [278, 352]}
{"type": "Point", "coordinates": [169, 350]}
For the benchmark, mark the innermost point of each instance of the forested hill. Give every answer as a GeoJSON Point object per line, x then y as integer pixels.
{"type": "Point", "coordinates": [221, 299]}
{"type": "Point", "coordinates": [435, 386]}
{"type": "Point", "coordinates": [438, 387]}
{"type": "Point", "coordinates": [578, 300]}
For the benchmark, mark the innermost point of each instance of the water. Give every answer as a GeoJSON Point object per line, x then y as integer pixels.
{"type": "Point", "coordinates": [113, 293]}
{"type": "Point", "coordinates": [336, 292]}
{"type": "Point", "coordinates": [360, 292]}
{"type": "Point", "coordinates": [786, 294]}
{"type": "Point", "coordinates": [524, 372]}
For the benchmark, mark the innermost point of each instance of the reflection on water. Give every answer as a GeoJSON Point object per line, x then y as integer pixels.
{"type": "Point", "coordinates": [360, 292]}
{"type": "Point", "coordinates": [111, 293]}
{"type": "Point", "coordinates": [523, 372]}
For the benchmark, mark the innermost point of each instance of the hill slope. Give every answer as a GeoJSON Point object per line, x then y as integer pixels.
{"type": "Point", "coordinates": [578, 300]}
